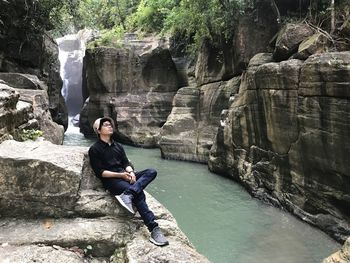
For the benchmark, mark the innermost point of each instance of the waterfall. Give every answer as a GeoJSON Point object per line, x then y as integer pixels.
{"type": "Point", "coordinates": [71, 54]}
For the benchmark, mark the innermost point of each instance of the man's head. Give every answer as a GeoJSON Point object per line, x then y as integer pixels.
{"type": "Point", "coordinates": [103, 125]}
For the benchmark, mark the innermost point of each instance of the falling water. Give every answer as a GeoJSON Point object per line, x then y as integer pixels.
{"type": "Point", "coordinates": [71, 54]}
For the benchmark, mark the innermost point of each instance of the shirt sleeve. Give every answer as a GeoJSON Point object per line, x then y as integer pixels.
{"type": "Point", "coordinates": [95, 162]}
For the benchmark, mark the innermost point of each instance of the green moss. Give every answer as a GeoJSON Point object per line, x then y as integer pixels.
{"type": "Point", "coordinates": [25, 135]}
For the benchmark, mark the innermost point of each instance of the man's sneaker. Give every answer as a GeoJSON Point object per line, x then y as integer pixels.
{"type": "Point", "coordinates": [158, 238]}
{"type": "Point", "coordinates": [126, 201]}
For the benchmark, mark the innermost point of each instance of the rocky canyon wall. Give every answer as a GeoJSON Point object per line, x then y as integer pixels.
{"type": "Point", "coordinates": [281, 128]}
{"type": "Point", "coordinates": [286, 137]}
{"type": "Point", "coordinates": [193, 122]}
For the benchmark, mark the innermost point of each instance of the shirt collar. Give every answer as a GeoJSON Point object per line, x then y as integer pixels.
{"type": "Point", "coordinates": [104, 144]}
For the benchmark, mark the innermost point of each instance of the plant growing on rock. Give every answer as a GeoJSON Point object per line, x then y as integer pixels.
{"type": "Point", "coordinates": [25, 135]}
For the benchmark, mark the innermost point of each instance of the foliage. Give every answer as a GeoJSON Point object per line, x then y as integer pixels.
{"type": "Point", "coordinates": [31, 134]}
{"type": "Point", "coordinates": [112, 37]}
{"type": "Point", "coordinates": [72, 15]}
{"type": "Point", "coordinates": [212, 19]}
{"type": "Point", "coordinates": [106, 14]}
{"type": "Point", "coordinates": [150, 15]}
{"type": "Point", "coordinates": [35, 17]}
{"type": "Point", "coordinates": [194, 20]}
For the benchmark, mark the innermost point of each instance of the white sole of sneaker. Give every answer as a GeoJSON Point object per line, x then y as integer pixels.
{"type": "Point", "coordinates": [158, 244]}
{"type": "Point", "coordinates": [124, 205]}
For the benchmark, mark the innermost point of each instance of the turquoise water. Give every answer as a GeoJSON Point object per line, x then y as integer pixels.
{"type": "Point", "coordinates": [221, 219]}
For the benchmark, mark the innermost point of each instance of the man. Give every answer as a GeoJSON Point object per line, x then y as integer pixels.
{"type": "Point", "coordinates": [111, 165]}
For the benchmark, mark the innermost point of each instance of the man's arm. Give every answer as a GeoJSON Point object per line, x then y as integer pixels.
{"type": "Point", "coordinates": [95, 161]}
{"type": "Point", "coordinates": [123, 175]}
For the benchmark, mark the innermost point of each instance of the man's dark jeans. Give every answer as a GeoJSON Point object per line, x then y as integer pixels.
{"type": "Point", "coordinates": [117, 186]}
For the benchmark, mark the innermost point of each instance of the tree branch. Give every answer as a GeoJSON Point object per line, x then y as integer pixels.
{"type": "Point", "coordinates": [276, 10]}
{"type": "Point", "coordinates": [332, 17]}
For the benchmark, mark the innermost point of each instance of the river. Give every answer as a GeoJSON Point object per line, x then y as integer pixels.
{"type": "Point", "coordinates": [220, 218]}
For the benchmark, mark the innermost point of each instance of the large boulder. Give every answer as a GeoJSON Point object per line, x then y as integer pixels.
{"type": "Point", "coordinates": [34, 92]}
{"type": "Point", "coordinates": [289, 38]}
{"type": "Point", "coordinates": [15, 115]}
{"type": "Point", "coordinates": [135, 85]}
{"type": "Point", "coordinates": [53, 208]}
{"type": "Point", "coordinates": [191, 127]}
{"type": "Point", "coordinates": [284, 136]}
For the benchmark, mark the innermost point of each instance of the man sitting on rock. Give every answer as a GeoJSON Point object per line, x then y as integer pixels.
{"type": "Point", "coordinates": [111, 165]}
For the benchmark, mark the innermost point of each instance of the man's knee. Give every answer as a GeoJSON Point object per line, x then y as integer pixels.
{"type": "Point", "coordinates": [152, 173]}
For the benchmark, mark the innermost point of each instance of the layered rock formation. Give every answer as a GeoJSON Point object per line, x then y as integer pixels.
{"type": "Point", "coordinates": [33, 93]}
{"type": "Point", "coordinates": [13, 113]}
{"type": "Point", "coordinates": [56, 209]}
{"type": "Point", "coordinates": [285, 137]}
{"type": "Point", "coordinates": [191, 127]}
{"type": "Point", "coordinates": [23, 49]}
{"type": "Point", "coordinates": [135, 85]}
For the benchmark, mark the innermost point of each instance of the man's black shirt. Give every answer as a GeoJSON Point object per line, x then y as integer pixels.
{"type": "Point", "coordinates": [107, 157]}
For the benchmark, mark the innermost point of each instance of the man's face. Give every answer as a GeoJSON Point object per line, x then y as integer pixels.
{"type": "Point", "coordinates": [106, 128]}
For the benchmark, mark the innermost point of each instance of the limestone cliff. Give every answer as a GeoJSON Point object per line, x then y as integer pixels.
{"type": "Point", "coordinates": [190, 129]}
{"type": "Point", "coordinates": [192, 124]}
{"type": "Point", "coordinates": [285, 137]}
{"type": "Point", "coordinates": [57, 208]}
{"type": "Point", "coordinates": [135, 85]}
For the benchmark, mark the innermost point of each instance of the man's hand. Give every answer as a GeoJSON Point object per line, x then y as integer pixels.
{"type": "Point", "coordinates": [129, 177]}
{"type": "Point", "coordinates": [133, 177]}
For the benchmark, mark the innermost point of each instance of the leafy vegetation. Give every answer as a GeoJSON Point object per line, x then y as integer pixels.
{"type": "Point", "coordinates": [25, 135]}
{"type": "Point", "coordinates": [194, 20]}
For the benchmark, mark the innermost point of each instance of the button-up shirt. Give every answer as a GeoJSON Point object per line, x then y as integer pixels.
{"type": "Point", "coordinates": [110, 157]}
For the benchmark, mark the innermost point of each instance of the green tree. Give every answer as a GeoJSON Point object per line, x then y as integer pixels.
{"type": "Point", "coordinates": [151, 14]}
{"type": "Point", "coordinates": [106, 14]}
{"type": "Point", "coordinates": [211, 19]}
